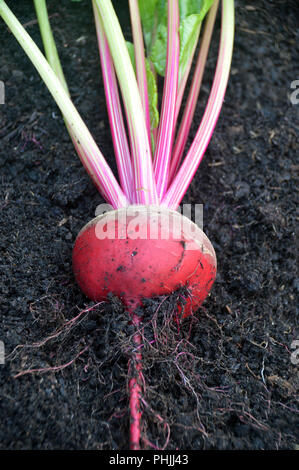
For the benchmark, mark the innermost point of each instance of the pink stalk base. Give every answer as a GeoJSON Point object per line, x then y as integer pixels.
{"type": "Point", "coordinates": [145, 191]}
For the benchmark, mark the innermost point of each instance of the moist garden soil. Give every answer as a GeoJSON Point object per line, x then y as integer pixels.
{"type": "Point", "coordinates": [225, 378]}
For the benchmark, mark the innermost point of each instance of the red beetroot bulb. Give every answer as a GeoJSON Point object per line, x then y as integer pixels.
{"type": "Point", "coordinates": [143, 252]}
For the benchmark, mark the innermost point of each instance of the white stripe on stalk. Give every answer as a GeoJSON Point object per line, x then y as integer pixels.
{"type": "Point", "coordinates": [184, 78]}
{"type": "Point", "coordinates": [188, 168]}
{"type": "Point", "coordinates": [167, 122]}
{"type": "Point", "coordinates": [194, 92]}
{"type": "Point", "coordinates": [117, 126]}
{"type": "Point", "coordinates": [140, 60]}
{"type": "Point", "coordinates": [144, 182]}
{"type": "Point", "coordinates": [93, 159]}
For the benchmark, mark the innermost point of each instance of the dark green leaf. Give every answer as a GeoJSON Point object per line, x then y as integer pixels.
{"type": "Point", "coordinates": [154, 22]}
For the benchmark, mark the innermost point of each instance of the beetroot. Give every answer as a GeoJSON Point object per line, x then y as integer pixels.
{"type": "Point", "coordinates": [141, 252]}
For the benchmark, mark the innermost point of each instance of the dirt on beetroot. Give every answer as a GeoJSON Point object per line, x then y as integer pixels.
{"type": "Point", "coordinates": [225, 378]}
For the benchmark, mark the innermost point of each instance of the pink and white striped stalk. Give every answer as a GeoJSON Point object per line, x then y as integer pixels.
{"type": "Point", "coordinates": [92, 158]}
{"type": "Point", "coordinates": [183, 79]}
{"type": "Point", "coordinates": [145, 191]}
{"type": "Point", "coordinates": [188, 168]}
{"type": "Point", "coordinates": [155, 129]}
{"type": "Point", "coordinates": [167, 121]}
{"type": "Point", "coordinates": [53, 59]}
{"type": "Point", "coordinates": [117, 126]}
{"type": "Point", "coordinates": [194, 92]}
{"type": "Point", "coordinates": [140, 61]}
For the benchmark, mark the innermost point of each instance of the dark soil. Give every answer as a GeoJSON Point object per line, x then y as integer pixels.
{"type": "Point", "coordinates": [223, 379]}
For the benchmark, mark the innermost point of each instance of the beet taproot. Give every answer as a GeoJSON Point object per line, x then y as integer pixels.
{"type": "Point", "coordinates": [142, 252]}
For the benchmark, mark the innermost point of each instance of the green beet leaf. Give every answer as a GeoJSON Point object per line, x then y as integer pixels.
{"type": "Point", "coordinates": [154, 22]}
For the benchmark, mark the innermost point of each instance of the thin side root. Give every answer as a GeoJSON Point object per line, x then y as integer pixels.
{"type": "Point", "coordinates": [51, 369]}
